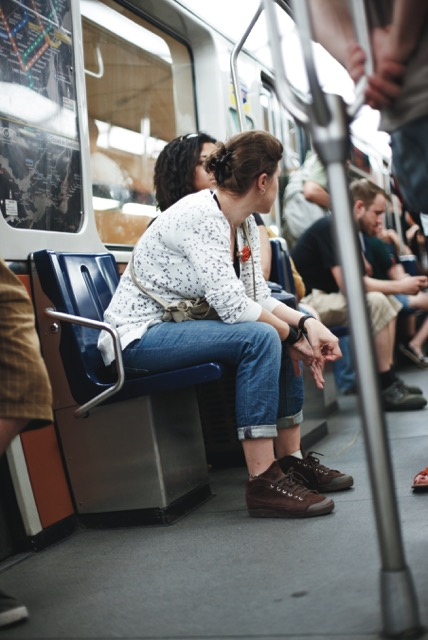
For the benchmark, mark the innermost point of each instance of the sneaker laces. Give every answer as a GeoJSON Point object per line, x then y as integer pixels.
{"type": "Point", "coordinates": [315, 462]}
{"type": "Point", "coordinates": [293, 482]}
{"type": "Point", "coordinates": [400, 384]}
{"type": "Point", "coordinates": [404, 388]}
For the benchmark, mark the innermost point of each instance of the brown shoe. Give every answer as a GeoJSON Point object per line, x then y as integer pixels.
{"type": "Point", "coordinates": [274, 494]}
{"type": "Point", "coordinates": [316, 476]}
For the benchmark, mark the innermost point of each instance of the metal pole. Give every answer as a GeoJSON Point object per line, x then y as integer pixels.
{"type": "Point", "coordinates": [234, 68]}
{"type": "Point", "coordinates": [329, 126]}
{"type": "Point", "coordinates": [398, 596]}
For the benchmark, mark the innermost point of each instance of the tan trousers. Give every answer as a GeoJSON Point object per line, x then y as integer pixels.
{"type": "Point", "coordinates": [25, 390]}
{"type": "Point", "coordinates": [333, 310]}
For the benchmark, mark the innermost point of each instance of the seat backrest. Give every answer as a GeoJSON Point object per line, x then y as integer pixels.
{"type": "Point", "coordinates": [281, 270]}
{"type": "Point", "coordinates": [82, 285]}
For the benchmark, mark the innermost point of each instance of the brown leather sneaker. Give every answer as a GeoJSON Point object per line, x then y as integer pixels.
{"type": "Point", "coordinates": [316, 476]}
{"type": "Point", "coordinates": [274, 494]}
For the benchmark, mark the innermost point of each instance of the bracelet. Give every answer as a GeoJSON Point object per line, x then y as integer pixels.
{"type": "Point", "coordinates": [293, 336]}
{"type": "Point", "coordinates": [302, 321]}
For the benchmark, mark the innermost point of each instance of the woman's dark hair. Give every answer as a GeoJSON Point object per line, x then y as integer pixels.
{"type": "Point", "coordinates": [175, 168]}
{"type": "Point", "coordinates": [244, 157]}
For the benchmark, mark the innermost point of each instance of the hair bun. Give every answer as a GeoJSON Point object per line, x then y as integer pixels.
{"type": "Point", "coordinates": [222, 168]}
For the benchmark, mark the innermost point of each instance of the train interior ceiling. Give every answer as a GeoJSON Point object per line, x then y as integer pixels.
{"type": "Point", "coordinates": [130, 522]}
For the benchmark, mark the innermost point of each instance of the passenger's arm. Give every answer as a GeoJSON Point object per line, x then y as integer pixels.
{"type": "Point", "coordinates": [319, 346]}
{"type": "Point", "coordinates": [333, 27]}
{"type": "Point", "coordinates": [281, 318]}
{"type": "Point", "coordinates": [315, 193]}
{"type": "Point", "coordinates": [391, 236]}
{"type": "Point", "coordinates": [265, 251]}
{"type": "Point", "coordinates": [392, 45]}
{"type": "Point", "coordinates": [409, 18]}
{"type": "Point", "coordinates": [324, 345]}
{"type": "Point", "coordinates": [409, 285]}
{"type": "Point", "coordinates": [338, 276]}
{"type": "Point", "coordinates": [396, 272]}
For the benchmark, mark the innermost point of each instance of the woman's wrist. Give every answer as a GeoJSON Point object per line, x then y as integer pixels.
{"type": "Point", "coordinates": [294, 336]}
{"type": "Point", "coordinates": [303, 320]}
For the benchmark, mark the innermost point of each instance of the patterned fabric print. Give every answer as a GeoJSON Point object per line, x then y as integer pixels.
{"type": "Point", "coordinates": [185, 253]}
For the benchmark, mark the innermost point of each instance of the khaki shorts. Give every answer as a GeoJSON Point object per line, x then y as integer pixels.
{"type": "Point", "coordinates": [333, 310]}
{"type": "Point", "coordinates": [25, 390]}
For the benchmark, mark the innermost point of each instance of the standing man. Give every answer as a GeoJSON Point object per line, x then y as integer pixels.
{"type": "Point", "coordinates": [398, 86]}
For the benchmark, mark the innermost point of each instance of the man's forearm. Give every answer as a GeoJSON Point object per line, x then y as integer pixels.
{"type": "Point", "coordinates": [333, 27]}
{"type": "Point", "coordinates": [408, 20]}
{"type": "Point", "coordinates": [316, 193]}
{"type": "Point", "coordinates": [388, 287]}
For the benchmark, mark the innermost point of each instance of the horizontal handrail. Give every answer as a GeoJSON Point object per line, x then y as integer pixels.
{"type": "Point", "coordinates": [100, 73]}
{"type": "Point", "coordinates": [101, 326]}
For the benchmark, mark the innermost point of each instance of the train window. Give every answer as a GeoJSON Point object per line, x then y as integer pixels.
{"type": "Point", "coordinates": [40, 171]}
{"type": "Point", "coordinates": [140, 95]}
{"type": "Point", "coordinates": [233, 124]}
{"type": "Point", "coordinates": [280, 124]}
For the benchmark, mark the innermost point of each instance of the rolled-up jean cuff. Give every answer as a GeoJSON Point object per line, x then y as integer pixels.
{"type": "Point", "coordinates": [258, 431]}
{"type": "Point", "coordinates": [290, 421]}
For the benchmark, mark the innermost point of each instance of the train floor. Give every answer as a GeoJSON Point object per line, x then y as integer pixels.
{"type": "Point", "coordinates": [218, 574]}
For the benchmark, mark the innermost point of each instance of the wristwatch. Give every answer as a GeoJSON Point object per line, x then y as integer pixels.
{"type": "Point", "coordinates": [293, 336]}
{"type": "Point", "coordinates": [301, 325]}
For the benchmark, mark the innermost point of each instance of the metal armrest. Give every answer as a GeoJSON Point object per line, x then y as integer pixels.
{"type": "Point", "coordinates": [101, 326]}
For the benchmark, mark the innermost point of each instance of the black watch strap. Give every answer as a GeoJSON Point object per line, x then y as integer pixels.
{"type": "Point", "coordinates": [303, 319]}
{"type": "Point", "coordinates": [293, 336]}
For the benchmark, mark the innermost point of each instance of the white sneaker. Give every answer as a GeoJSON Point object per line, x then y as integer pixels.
{"type": "Point", "coordinates": [11, 611]}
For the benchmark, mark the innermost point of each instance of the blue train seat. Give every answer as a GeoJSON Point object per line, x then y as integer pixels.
{"type": "Point", "coordinates": [131, 446]}
{"type": "Point", "coordinates": [280, 294]}
{"type": "Point", "coordinates": [281, 271]}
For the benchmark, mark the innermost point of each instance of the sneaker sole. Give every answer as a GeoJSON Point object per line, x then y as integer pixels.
{"type": "Point", "coordinates": [420, 488]}
{"type": "Point", "coordinates": [19, 614]}
{"type": "Point", "coordinates": [321, 509]}
{"type": "Point", "coordinates": [414, 406]}
{"type": "Point", "coordinates": [339, 486]}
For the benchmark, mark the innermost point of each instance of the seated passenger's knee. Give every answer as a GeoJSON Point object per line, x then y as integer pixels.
{"type": "Point", "coordinates": [263, 339]}
{"type": "Point", "coordinates": [381, 311]}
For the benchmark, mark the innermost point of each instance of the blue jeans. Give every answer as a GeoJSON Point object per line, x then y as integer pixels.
{"type": "Point", "coordinates": [268, 394]}
{"type": "Point", "coordinates": [410, 162]}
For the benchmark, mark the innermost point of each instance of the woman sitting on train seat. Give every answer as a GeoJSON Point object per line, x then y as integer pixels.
{"type": "Point", "coordinates": [179, 171]}
{"type": "Point", "coordinates": [206, 245]}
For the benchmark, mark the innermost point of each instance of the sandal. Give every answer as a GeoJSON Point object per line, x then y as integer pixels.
{"type": "Point", "coordinates": [409, 352]}
{"type": "Point", "coordinates": [420, 481]}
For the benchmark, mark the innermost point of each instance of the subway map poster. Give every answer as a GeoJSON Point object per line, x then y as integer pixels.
{"type": "Point", "coordinates": [40, 172]}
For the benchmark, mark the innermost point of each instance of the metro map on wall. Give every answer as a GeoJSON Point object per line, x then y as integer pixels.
{"type": "Point", "coordinates": [40, 171]}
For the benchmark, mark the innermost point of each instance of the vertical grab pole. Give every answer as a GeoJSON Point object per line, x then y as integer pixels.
{"type": "Point", "coordinates": [234, 68]}
{"type": "Point", "coordinates": [398, 597]}
{"type": "Point", "coordinates": [329, 125]}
